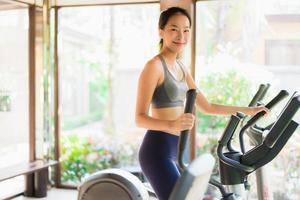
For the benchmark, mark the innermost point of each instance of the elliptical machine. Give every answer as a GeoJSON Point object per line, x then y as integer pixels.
{"type": "Point", "coordinates": [117, 184]}
{"type": "Point", "coordinates": [234, 165]}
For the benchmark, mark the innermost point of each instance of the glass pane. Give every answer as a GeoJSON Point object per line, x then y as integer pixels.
{"type": "Point", "coordinates": [14, 93]}
{"type": "Point", "coordinates": [239, 46]}
{"type": "Point", "coordinates": [101, 52]}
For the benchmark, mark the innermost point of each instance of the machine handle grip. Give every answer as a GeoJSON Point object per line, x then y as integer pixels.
{"type": "Point", "coordinates": [189, 107]}
{"type": "Point", "coordinates": [261, 92]}
{"type": "Point", "coordinates": [230, 128]}
{"type": "Point", "coordinates": [280, 96]}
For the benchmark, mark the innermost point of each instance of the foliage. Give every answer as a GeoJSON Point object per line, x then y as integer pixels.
{"type": "Point", "coordinates": [98, 90]}
{"type": "Point", "coordinates": [228, 89]}
{"type": "Point", "coordinates": [5, 102]}
{"type": "Point", "coordinates": [80, 158]}
{"type": "Point", "coordinates": [77, 121]}
{"type": "Point", "coordinates": [98, 85]}
{"type": "Point", "coordinates": [83, 156]}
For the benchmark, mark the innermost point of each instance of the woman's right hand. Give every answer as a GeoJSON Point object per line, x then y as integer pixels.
{"type": "Point", "coordinates": [184, 122]}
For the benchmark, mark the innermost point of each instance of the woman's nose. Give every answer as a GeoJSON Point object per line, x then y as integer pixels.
{"type": "Point", "coordinates": [180, 35]}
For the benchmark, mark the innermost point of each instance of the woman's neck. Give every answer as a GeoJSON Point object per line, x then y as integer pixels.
{"type": "Point", "coordinates": [169, 57]}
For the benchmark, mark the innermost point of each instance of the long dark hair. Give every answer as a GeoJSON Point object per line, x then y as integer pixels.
{"type": "Point", "coordinates": [165, 16]}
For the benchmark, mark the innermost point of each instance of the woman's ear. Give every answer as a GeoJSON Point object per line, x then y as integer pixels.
{"type": "Point", "coordinates": [161, 33]}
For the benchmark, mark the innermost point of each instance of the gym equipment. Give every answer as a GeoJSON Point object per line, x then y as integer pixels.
{"type": "Point", "coordinates": [112, 184]}
{"type": "Point", "coordinates": [262, 188]}
{"type": "Point", "coordinates": [116, 184]}
{"type": "Point", "coordinates": [235, 165]}
{"type": "Point", "coordinates": [256, 137]}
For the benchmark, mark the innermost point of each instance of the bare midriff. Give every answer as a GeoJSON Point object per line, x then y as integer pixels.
{"type": "Point", "coordinates": [171, 113]}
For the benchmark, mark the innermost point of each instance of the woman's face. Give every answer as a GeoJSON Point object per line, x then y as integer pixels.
{"type": "Point", "coordinates": [176, 33]}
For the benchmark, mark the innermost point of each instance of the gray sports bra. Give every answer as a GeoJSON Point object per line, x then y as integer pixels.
{"type": "Point", "coordinates": [171, 93]}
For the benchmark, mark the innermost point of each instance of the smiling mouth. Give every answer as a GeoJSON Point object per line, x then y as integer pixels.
{"type": "Point", "coordinates": [179, 43]}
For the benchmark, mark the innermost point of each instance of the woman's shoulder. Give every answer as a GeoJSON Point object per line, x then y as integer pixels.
{"type": "Point", "coordinates": [152, 70]}
{"type": "Point", "coordinates": [154, 64]}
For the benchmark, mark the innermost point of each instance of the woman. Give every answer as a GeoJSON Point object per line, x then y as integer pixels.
{"type": "Point", "coordinates": [162, 87]}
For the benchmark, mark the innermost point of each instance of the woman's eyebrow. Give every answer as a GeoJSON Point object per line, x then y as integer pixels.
{"type": "Point", "coordinates": [175, 26]}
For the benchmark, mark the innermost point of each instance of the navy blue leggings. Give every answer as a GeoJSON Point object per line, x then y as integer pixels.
{"type": "Point", "coordinates": [157, 158]}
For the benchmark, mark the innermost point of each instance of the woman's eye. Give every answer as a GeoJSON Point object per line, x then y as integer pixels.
{"type": "Point", "coordinates": [187, 30]}
{"type": "Point", "coordinates": [173, 29]}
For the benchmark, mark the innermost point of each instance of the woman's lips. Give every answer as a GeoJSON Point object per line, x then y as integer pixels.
{"type": "Point", "coordinates": [179, 43]}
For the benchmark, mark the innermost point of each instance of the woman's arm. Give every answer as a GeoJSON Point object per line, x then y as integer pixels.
{"type": "Point", "coordinates": [147, 83]}
{"type": "Point", "coordinates": [216, 109]}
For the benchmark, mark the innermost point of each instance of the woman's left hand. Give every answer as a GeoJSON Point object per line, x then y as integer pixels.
{"type": "Point", "coordinates": [255, 110]}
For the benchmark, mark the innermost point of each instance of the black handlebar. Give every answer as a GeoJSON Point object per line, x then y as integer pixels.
{"type": "Point", "coordinates": [279, 133]}
{"type": "Point", "coordinates": [281, 95]}
{"type": "Point", "coordinates": [189, 106]}
{"type": "Point", "coordinates": [264, 92]}
{"type": "Point", "coordinates": [278, 129]}
{"type": "Point", "coordinates": [261, 92]}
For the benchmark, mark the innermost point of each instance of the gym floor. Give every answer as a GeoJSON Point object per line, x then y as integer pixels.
{"type": "Point", "coordinates": [54, 194]}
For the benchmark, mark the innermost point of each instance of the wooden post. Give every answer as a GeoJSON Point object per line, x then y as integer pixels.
{"type": "Point", "coordinates": [186, 4]}
{"type": "Point", "coordinates": [32, 31]}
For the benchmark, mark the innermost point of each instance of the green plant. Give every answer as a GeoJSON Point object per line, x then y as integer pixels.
{"type": "Point", "coordinates": [98, 84]}
{"type": "Point", "coordinates": [5, 102]}
{"type": "Point", "coordinates": [98, 91]}
{"type": "Point", "coordinates": [222, 88]}
{"type": "Point", "coordinates": [72, 122]}
{"type": "Point", "coordinates": [82, 156]}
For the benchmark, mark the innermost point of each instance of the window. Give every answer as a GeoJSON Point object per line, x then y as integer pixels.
{"type": "Point", "coordinates": [238, 48]}
{"type": "Point", "coordinates": [14, 94]}
{"type": "Point", "coordinates": [283, 53]}
{"type": "Point", "coordinates": [100, 58]}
